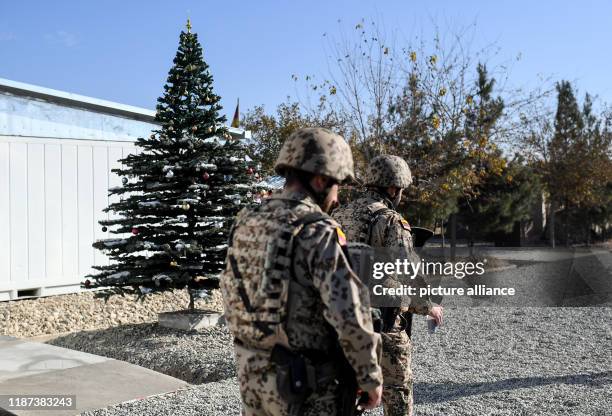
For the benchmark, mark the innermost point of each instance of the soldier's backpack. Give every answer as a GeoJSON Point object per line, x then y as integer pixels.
{"type": "Point", "coordinates": [258, 275]}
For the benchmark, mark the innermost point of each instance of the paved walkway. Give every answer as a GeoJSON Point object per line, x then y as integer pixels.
{"type": "Point", "coordinates": [38, 369]}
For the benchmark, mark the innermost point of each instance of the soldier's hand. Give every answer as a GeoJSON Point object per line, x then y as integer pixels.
{"type": "Point", "coordinates": [437, 313]}
{"type": "Point", "coordinates": [374, 397]}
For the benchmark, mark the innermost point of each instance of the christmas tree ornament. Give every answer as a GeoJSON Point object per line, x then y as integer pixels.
{"type": "Point", "coordinates": [170, 174]}
{"type": "Point", "coordinates": [87, 283]}
{"type": "Point", "coordinates": [124, 180]}
{"type": "Point", "coordinates": [135, 231]}
{"type": "Point", "coordinates": [104, 229]}
{"type": "Point", "coordinates": [205, 176]}
{"type": "Point", "coordinates": [250, 171]}
{"type": "Point", "coordinates": [185, 206]}
{"type": "Point", "coordinates": [152, 136]}
{"type": "Point", "coordinates": [194, 128]}
{"type": "Point", "coordinates": [173, 263]}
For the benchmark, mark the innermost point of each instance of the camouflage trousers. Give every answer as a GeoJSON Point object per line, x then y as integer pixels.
{"type": "Point", "coordinates": [397, 375]}
{"type": "Point", "coordinates": [257, 379]}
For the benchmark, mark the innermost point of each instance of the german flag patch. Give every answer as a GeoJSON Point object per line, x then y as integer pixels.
{"type": "Point", "coordinates": [341, 236]}
{"type": "Point", "coordinates": [405, 224]}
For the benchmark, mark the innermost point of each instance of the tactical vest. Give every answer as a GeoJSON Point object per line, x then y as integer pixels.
{"type": "Point", "coordinates": [258, 279]}
{"type": "Point", "coordinates": [360, 230]}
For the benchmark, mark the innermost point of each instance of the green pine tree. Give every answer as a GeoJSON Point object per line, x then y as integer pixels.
{"type": "Point", "coordinates": [180, 193]}
{"type": "Point", "coordinates": [565, 172]}
{"type": "Point", "coordinates": [502, 200]}
{"type": "Point", "coordinates": [486, 210]}
{"type": "Point", "coordinates": [590, 155]}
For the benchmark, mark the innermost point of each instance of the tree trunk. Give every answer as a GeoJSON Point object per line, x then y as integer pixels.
{"type": "Point", "coordinates": [566, 223]}
{"type": "Point", "coordinates": [191, 301]}
{"type": "Point", "coordinates": [551, 223]}
{"type": "Point", "coordinates": [471, 244]}
{"type": "Point", "coordinates": [453, 236]}
{"type": "Point", "coordinates": [588, 231]}
{"type": "Point", "coordinates": [443, 234]}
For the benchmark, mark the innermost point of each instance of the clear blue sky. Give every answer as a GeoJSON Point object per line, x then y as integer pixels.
{"type": "Point", "coordinates": [121, 50]}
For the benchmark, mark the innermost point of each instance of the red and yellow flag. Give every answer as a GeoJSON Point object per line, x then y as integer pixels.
{"type": "Point", "coordinates": [341, 236]}
{"type": "Point", "coordinates": [236, 119]}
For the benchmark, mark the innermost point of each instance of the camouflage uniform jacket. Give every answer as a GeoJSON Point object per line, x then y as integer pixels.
{"type": "Point", "coordinates": [327, 297]}
{"type": "Point", "coordinates": [390, 229]}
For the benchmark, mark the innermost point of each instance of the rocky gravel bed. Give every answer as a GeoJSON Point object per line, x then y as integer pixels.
{"type": "Point", "coordinates": [82, 311]}
{"type": "Point", "coordinates": [485, 361]}
{"type": "Point", "coordinates": [196, 357]}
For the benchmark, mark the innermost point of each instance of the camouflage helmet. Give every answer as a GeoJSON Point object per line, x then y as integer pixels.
{"type": "Point", "coordinates": [387, 170]}
{"type": "Point", "coordinates": [318, 151]}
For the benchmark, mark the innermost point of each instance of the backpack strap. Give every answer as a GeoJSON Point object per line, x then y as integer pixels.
{"type": "Point", "coordinates": [262, 326]}
{"type": "Point", "coordinates": [373, 218]}
{"type": "Point", "coordinates": [230, 237]}
{"type": "Point", "coordinates": [310, 218]}
{"type": "Point", "coordinates": [300, 224]}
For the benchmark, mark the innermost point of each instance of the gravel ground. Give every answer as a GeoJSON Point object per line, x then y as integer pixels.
{"type": "Point", "coordinates": [81, 312]}
{"type": "Point", "coordinates": [196, 357]}
{"type": "Point", "coordinates": [485, 361]}
{"type": "Point", "coordinates": [212, 399]}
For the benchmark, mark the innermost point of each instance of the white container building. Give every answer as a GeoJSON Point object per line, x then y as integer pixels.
{"type": "Point", "coordinates": [56, 154]}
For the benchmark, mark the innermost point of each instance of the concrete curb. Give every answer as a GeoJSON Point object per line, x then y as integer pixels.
{"type": "Point", "coordinates": [501, 268]}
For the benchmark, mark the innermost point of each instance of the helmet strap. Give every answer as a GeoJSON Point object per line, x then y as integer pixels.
{"type": "Point", "coordinates": [394, 200]}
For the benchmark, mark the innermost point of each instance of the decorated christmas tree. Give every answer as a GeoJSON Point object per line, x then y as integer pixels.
{"type": "Point", "coordinates": [180, 193]}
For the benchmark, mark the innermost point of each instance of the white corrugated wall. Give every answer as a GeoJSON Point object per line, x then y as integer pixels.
{"type": "Point", "coordinates": [55, 171]}
{"type": "Point", "coordinates": [53, 193]}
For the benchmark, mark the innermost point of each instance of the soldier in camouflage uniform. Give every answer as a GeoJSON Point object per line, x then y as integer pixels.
{"type": "Point", "coordinates": [372, 219]}
{"type": "Point", "coordinates": [288, 286]}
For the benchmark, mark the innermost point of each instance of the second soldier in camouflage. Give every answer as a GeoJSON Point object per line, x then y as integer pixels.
{"type": "Point", "coordinates": [372, 219]}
